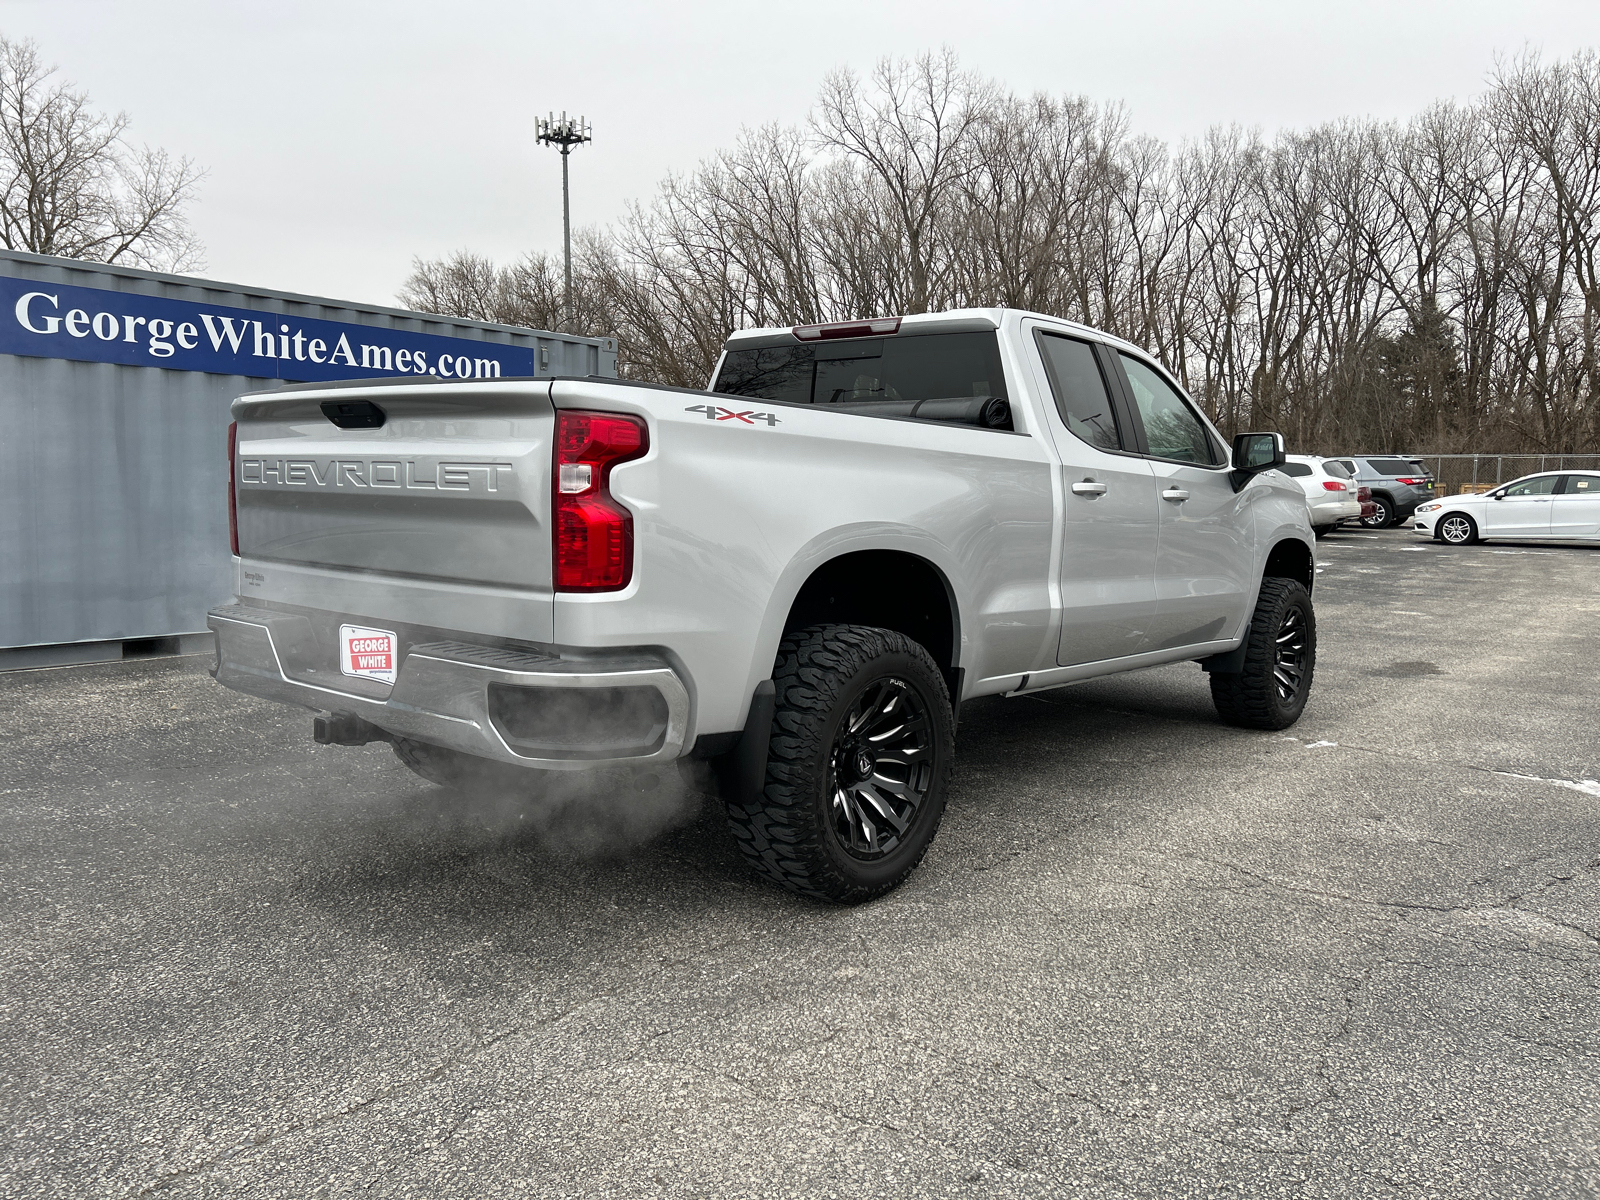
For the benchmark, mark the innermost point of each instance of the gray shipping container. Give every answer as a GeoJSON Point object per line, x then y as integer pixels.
{"type": "Point", "coordinates": [114, 393]}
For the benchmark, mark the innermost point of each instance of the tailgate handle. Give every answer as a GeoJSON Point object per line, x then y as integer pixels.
{"type": "Point", "coordinates": [354, 414]}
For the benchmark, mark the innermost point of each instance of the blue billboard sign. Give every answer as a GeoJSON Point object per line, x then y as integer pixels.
{"type": "Point", "coordinates": [50, 320]}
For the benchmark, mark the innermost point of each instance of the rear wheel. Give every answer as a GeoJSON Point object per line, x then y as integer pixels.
{"type": "Point", "coordinates": [1384, 517]}
{"type": "Point", "coordinates": [858, 765]}
{"type": "Point", "coordinates": [1279, 661]}
{"type": "Point", "coordinates": [1457, 529]}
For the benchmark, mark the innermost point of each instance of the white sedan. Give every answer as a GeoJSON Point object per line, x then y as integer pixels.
{"type": "Point", "coordinates": [1550, 506]}
{"type": "Point", "coordinates": [1329, 487]}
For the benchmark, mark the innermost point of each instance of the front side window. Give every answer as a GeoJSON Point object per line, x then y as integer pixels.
{"type": "Point", "coordinates": [1539, 485]}
{"type": "Point", "coordinates": [1080, 389]}
{"type": "Point", "coordinates": [1171, 428]}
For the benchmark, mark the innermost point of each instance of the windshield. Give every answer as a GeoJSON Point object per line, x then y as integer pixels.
{"type": "Point", "coordinates": [865, 370]}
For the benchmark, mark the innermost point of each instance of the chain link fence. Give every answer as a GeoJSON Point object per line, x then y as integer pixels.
{"type": "Point", "coordinates": [1457, 473]}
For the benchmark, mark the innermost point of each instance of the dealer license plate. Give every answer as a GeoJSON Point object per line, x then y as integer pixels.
{"type": "Point", "coordinates": [369, 653]}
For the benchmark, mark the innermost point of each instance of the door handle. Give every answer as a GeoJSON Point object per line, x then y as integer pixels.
{"type": "Point", "coordinates": [1088, 488]}
{"type": "Point", "coordinates": [1176, 495]}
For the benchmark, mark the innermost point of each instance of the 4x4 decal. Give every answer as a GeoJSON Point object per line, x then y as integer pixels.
{"type": "Point", "coordinates": [749, 416]}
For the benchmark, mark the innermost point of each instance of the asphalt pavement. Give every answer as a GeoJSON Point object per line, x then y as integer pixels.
{"type": "Point", "coordinates": [1148, 955]}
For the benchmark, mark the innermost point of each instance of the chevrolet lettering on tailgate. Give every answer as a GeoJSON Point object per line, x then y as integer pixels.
{"type": "Point", "coordinates": [374, 473]}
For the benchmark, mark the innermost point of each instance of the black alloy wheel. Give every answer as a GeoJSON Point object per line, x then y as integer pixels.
{"type": "Point", "coordinates": [881, 769]}
{"type": "Point", "coordinates": [1383, 517]}
{"type": "Point", "coordinates": [1280, 660]}
{"type": "Point", "coordinates": [1289, 661]}
{"type": "Point", "coordinates": [857, 768]}
{"type": "Point", "coordinates": [1457, 529]}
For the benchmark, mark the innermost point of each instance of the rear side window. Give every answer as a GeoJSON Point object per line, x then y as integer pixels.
{"type": "Point", "coordinates": [1337, 469]}
{"type": "Point", "coordinates": [1080, 389]}
{"type": "Point", "coordinates": [1392, 467]}
{"type": "Point", "coordinates": [1582, 485]}
{"type": "Point", "coordinates": [1171, 428]}
{"type": "Point", "coordinates": [868, 370]}
{"type": "Point", "coordinates": [1298, 470]}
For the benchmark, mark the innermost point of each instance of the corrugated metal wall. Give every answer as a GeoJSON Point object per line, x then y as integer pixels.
{"type": "Point", "coordinates": [113, 479]}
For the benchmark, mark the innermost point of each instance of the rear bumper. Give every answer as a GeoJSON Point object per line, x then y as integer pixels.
{"type": "Point", "coordinates": [514, 706]}
{"type": "Point", "coordinates": [1331, 512]}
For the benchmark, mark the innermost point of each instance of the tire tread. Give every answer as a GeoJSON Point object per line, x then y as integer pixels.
{"type": "Point", "coordinates": [1248, 698]}
{"type": "Point", "coordinates": [777, 828]}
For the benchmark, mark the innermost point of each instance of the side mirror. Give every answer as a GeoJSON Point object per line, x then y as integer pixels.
{"type": "Point", "coordinates": [1258, 451]}
{"type": "Point", "coordinates": [1254, 453]}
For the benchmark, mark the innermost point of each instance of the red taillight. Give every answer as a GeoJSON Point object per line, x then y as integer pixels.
{"type": "Point", "coordinates": [1410, 481]}
{"type": "Point", "coordinates": [848, 329]}
{"type": "Point", "coordinates": [1334, 485]}
{"type": "Point", "coordinates": [233, 499]}
{"type": "Point", "coordinates": [593, 533]}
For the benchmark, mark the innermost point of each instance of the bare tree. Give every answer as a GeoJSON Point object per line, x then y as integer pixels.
{"type": "Point", "coordinates": [71, 185]}
{"type": "Point", "coordinates": [911, 137]}
{"type": "Point", "coordinates": [1428, 285]}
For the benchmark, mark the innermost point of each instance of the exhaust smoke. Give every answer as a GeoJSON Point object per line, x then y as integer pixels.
{"type": "Point", "coordinates": [603, 812]}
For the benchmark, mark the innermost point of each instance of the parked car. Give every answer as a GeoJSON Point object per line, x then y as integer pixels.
{"type": "Point", "coordinates": [1364, 498]}
{"type": "Point", "coordinates": [1329, 488]}
{"type": "Point", "coordinates": [1552, 506]}
{"type": "Point", "coordinates": [1398, 485]}
{"type": "Point", "coordinates": [799, 574]}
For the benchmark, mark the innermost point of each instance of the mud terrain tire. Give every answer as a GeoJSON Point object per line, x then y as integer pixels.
{"type": "Point", "coordinates": [1280, 649]}
{"type": "Point", "coordinates": [858, 766]}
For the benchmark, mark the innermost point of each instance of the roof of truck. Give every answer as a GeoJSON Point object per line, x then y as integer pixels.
{"type": "Point", "coordinates": [959, 320]}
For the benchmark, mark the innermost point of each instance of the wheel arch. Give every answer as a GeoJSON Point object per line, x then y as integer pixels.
{"type": "Point", "coordinates": [889, 589]}
{"type": "Point", "coordinates": [1291, 558]}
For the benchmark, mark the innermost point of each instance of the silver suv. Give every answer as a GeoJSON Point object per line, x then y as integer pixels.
{"type": "Point", "coordinates": [1398, 485]}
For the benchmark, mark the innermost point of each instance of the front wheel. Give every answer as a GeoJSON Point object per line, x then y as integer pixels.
{"type": "Point", "coordinates": [1457, 529]}
{"type": "Point", "coordinates": [1279, 660]}
{"type": "Point", "coordinates": [858, 765]}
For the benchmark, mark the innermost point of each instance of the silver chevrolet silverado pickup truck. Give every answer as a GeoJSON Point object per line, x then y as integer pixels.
{"type": "Point", "coordinates": [800, 573]}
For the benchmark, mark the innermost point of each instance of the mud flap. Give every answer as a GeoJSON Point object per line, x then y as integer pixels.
{"type": "Point", "coordinates": [1229, 663]}
{"type": "Point", "coordinates": [742, 772]}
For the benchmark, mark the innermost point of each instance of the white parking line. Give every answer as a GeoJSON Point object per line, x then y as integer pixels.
{"type": "Point", "coordinates": [1589, 787]}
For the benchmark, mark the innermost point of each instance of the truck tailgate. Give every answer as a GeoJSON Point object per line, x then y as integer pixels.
{"type": "Point", "coordinates": [447, 482]}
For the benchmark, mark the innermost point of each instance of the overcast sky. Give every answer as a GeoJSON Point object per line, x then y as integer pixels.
{"type": "Point", "coordinates": [342, 138]}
